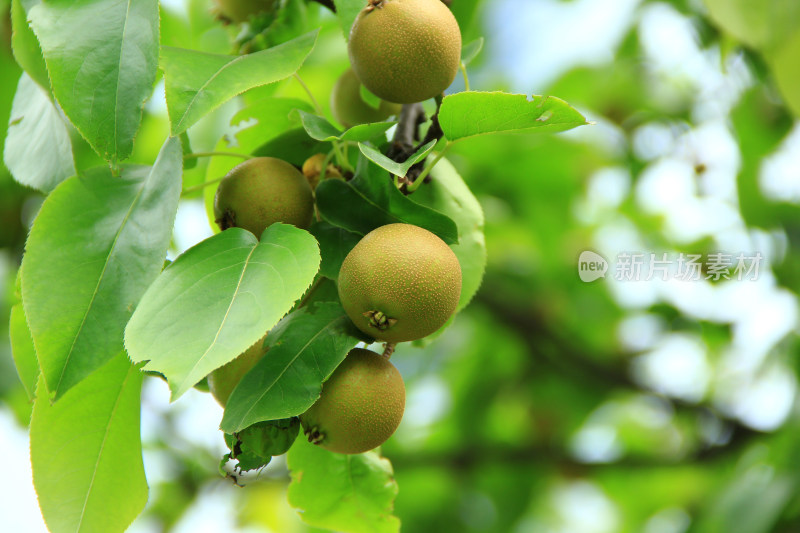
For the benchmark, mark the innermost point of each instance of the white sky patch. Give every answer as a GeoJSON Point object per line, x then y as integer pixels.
{"type": "Point", "coordinates": [534, 42]}
{"type": "Point", "coordinates": [762, 401]}
{"type": "Point", "coordinates": [427, 401]}
{"type": "Point", "coordinates": [191, 226]}
{"type": "Point", "coordinates": [606, 189]}
{"type": "Point", "coordinates": [640, 331]}
{"type": "Point", "coordinates": [677, 367]}
{"type": "Point", "coordinates": [18, 503]}
{"type": "Point", "coordinates": [780, 172]}
{"type": "Point", "coordinates": [671, 520]}
{"type": "Point", "coordinates": [583, 507]}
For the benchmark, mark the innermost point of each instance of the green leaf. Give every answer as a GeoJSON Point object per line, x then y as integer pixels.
{"type": "Point", "coordinates": [199, 82]}
{"type": "Point", "coordinates": [471, 50]}
{"type": "Point", "coordinates": [102, 57]}
{"type": "Point", "coordinates": [371, 200]}
{"type": "Point", "coordinates": [293, 146]}
{"type": "Point", "coordinates": [254, 446]}
{"type": "Point", "coordinates": [448, 194]}
{"type": "Point", "coordinates": [754, 495]}
{"type": "Point", "coordinates": [23, 351]}
{"type": "Point", "coordinates": [346, 12]}
{"type": "Point", "coordinates": [186, 147]}
{"type": "Point", "coordinates": [270, 117]}
{"type": "Point", "coordinates": [303, 350]}
{"type": "Point", "coordinates": [398, 169]}
{"type": "Point", "coordinates": [773, 28]}
{"type": "Point", "coordinates": [334, 245]}
{"type": "Point", "coordinates": [97, 243]}
{"type": "Point", "coordinates": [26, 47]}
{"type": "Point", "coordinates": [763, 25]}
{"type": "Point", "coordinates": [86, 452]}
{"type": "Point", "coordinates": [321, 130]}
{"type": "Point", "coordinates": [217, 299]}
{"type": "Point", "coordinates": [368, 97]}
{"type": "Point", "coordinates": [783, 63]}
{"type": "Point", "coordinates": [477, 113]}
{"type": "Point", "coordinates": [353, 493]}
{"type": "Point", "coordinates": [38, 151]}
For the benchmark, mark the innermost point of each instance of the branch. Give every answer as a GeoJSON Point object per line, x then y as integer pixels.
{"type": "Point", "coordinates": [412, 117]}
{"type": "Point", "coordinates": [561, 354]}
{"type": "Point", "coordinates": [479, 455]}
{"type": "Point", "coordinates": [407, 133]}
{"type": "Point", "coordinates": [434, 134]}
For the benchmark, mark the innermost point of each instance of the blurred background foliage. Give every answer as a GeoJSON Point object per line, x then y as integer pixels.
{"type": "Point", "coordinates": [550, 405]}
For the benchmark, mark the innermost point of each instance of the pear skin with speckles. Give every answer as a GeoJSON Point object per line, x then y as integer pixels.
{"type": "Point", "coordinates": [348, 107]}
{"type": "Point", "coordinates": [360, 406]}
{"type": "Point", "coordinates": [241, 10]}
{"type": "Point", "coordinates": [400, 283]}
{"type": "Point", "coordinates": [405, 51]}
{"type": "Point", "coordinates": [223, 380]}
{"type": "Point", "coordinates": [261, 191]}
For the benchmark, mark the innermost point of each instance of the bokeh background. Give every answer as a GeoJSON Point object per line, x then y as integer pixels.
{"type": "Point", "coordinates": [551, 405]}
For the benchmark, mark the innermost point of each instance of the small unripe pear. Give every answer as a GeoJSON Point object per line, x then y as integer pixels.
{"type": "Point", "coordinates": [223, 380]}
{"type": "Point", "coordinates": [260, 192]}
{"type": "Point", "coordinates": [405, 51]}
{"type": "Point", "coordinates": [400, 283]}
{"type": "Point", "coordinates": [350, 109]}
{"type": "Point", "coordinates": [241, 10]}
{"type": "Point", "coordinates": [360, 407]}
{"type": "Point", "coordinates": [312, 170]}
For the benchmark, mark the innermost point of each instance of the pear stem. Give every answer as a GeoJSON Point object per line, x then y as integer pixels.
{"type": "Point", "coordinates": [388, 349]}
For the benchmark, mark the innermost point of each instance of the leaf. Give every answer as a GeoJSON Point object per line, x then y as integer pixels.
{"type": "Point", "coordinates": [346, 12]}
{"type": "Point", "coordinates": [398, 169]}
{"type": "Point", "coordinates": [763, 25]}
{"type": "Point", "coordinates": [754, 495]}
{"type": "Point", "coordinates": [38, 151]}
{"type": "Point", "coordinates": [199, 82]}
{"type": "Point", "coordinates": [217, 299]}
{"type": "Point", "coordinates": [448, 194]}
{"type": "Point", "coordinates": [86, 452]}
{"type": "Point", "coordinates": [254, 446]}
{"type": "Point", "coordinates": [784, 65]}
{"type": "Point", "coordinates": [478, 113]}
{"type": "Point", "coordinates": [368, 97]}
{"type": "Point", "coordinates": [334, 245]}
{"type": "Point", "coordinates": [186, 147]}
{"type": "Point", "coordinates": [26, 47]}
{"type": "Point", "coordinates": [303, 350]}
{"type": "Point", "coordinates": [103, 71]}
{"type": "Point", "coordinates": [321, 130]}
{"type": "Point", "coordinates": [371, 200]}
{"type": "Point", "coordinates": [471, 50]}
{"type": "Point", "coordinates": [270, 117]}
{"type": "Point", "coordinates": [351, 493]}
{"type": "Point", "coordinates": [773, 28]}
{"type": "Point", "coordinates": [97, 243]}
{"type": "Point", "coordinates": [23, 351]}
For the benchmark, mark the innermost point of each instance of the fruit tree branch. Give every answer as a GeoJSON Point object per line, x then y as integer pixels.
{"type": "Point", "coordinates": [407, 133]}
{"type": "Point", "coordinates": [403, 147]}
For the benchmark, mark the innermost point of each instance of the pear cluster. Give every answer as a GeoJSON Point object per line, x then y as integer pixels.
{"type": "Point", "coordinates": [400, 282]}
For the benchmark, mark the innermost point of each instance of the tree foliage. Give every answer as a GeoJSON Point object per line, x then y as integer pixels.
{"type": "Point", "coordinates": [544, 404]}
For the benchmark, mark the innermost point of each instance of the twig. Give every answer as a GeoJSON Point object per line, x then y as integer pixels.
{"type": "Point", "coordinates": [407, 133]}
{"type": "Point", "coordinates": [388, 349]}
